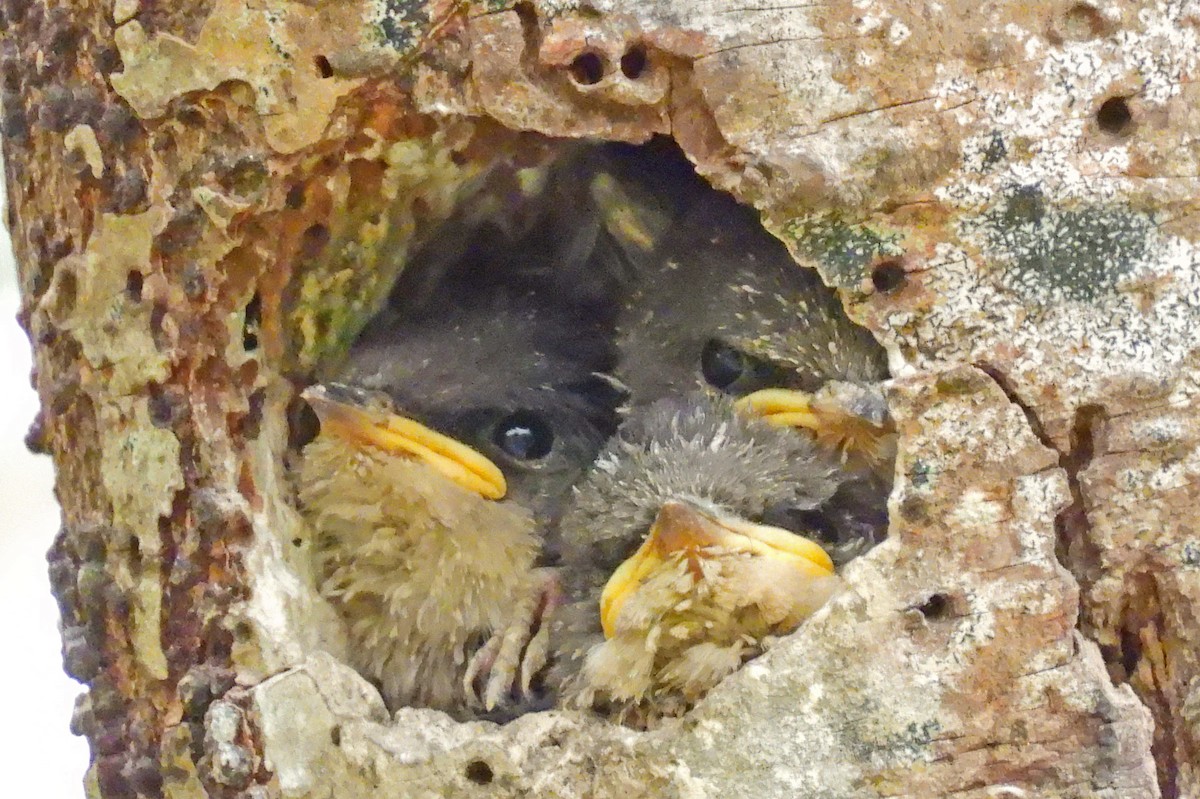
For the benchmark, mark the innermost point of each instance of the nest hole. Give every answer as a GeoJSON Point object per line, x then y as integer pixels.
{"type": "Point", "coordinates": [588, 68]}
{"type": "Point", "coordinates": [479, 772]}
{"type": "Point", "coordinates": [639, 192]}
{"type": "Point", "coordinates": [1114, 116]}
{"type": "Point", "coordinates": [888, 276]}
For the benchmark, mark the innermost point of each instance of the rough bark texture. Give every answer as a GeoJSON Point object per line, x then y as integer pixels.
{"type": "Point", "coordinates": [207, 197]}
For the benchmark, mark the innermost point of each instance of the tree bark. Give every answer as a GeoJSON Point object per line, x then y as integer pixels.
{"type": "Point", "coordinates": [210, 198]}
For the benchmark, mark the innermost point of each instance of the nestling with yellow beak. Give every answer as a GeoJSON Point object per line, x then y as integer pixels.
{"type": "Point", "coordinates": [447, 445]}
{"type": "Point", "coordinates": [719, 305]}
{"type": "Point", "coordinates": [665, 541]}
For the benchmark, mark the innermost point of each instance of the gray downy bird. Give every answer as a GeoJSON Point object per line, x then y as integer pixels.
{"type": "Point", "coordinates": [448, 442]}
{"type": "Point", "coordinates": [718, 303]}
{"type": "Point", "coordinates": [673, 579]}
{"type": "Point", "coordinates": [722, 316]}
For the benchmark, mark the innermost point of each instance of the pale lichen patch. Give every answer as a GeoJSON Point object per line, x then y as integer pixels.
{"type": "Point", "coordinates": [399, 24]}
{"type": "Point", "coordinates": [270, 48]}
{"type": "Point", "coordinates": [842, 249]}
{"type": "Point", "coordinates": [1052, 255]}
{"type": "Point", "coordinates": [82, 139]}
{"type": "Point", "coordinates": [141, 473]}
{"type": "Point", "coordinates": [112, 328]}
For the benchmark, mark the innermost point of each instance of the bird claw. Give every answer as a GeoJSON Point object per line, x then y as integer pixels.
{"type": "Point", "coordinates": [480, 665]}
{"type": "Point", "coordinates": [506, 665]}
{"type": "Point", "coordinates": [537, 655]}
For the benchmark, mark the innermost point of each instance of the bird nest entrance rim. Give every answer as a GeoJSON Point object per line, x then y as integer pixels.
{"type": "Point", "coordinates": [614, 287]}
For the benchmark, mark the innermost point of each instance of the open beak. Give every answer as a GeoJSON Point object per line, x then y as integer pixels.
{"type": "Point", "coordinates": [833, 417]}
{"type": "Point", "coordinates": [682, 529]}
{"type": "Point", "coordinates": [366, 426]}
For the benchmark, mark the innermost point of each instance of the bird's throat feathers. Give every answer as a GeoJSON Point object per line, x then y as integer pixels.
{"type": "Point", "coordinates": [414, 563]}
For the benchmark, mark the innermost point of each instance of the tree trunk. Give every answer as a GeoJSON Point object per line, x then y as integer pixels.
{"type": "Point", "coordinates": [207, 199]}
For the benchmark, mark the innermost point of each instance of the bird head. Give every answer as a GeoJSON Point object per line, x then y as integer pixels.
{"type": "Point", "coordinates": [675, 575]}
{"type": "Point", "coordinates": [696, 450]}
{"type": "Point", "coordinates": [690, 535]}
{"type": "Point", "coordinates": [504, 394]}
{"type": "Point", "coordinates": [368, 420]}
{"type": "Point", "coordinates": [718, 304]}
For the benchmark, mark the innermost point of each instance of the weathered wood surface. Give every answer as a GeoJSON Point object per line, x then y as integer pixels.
{"type": "Point", "coordinates": [209, 197]}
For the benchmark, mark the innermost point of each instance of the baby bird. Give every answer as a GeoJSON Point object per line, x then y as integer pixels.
{"type": "Point", "coordinates": [665, 539]}
{"type": "Point", "coordinates": [705, 496]}
{"type": "Point", "coordinates": [718, 303]}
{"type": "Point", "coordinates": [447, 444]}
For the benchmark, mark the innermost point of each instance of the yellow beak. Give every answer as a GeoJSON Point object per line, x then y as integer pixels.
{"type": "Point", "coordinates": [783, 407]}
{"type": "Point", "coordinates": [682, 529]}
{"type": "Point", "coordinates": [398, 435]}
{"type": "Point", "coordinates": [830, 424]}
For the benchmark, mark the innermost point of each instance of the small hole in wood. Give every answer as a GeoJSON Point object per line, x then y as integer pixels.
{"type": "Point", "coordinates": [1130, 651]}
{"type": "Point", "coordinates": [323, 67]}
{"type": "Point", "coordinates": [1114, 116]}
{"type": "Point", "coordinates": [479, 772]}
{"type": "Point", "coordinates": [250, 327]}
{"type": "Point", "coordinates": [634, 62]}
{"type": "Point", "coordinates": [587, 69]}
{"type": "Point", "coordinates": [295, 197]}
{"type": "Point", "coordinates": [133, 286]}
{"type": "Point", "coordinates": [936, 607]}
{"type": "Point", "coordinates": [163, 407]}
{"type": "Point", "coordinates": [158, 316]}
{"type": "Point", "coordinates": [887, 276]}
{"type": "Point", "coordinates": [303, 424]}
{"type": "Point", "coordinates": [315, 239]}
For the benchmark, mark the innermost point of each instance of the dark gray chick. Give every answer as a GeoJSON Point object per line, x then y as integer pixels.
{"type": "Point", "coordinates": [448, 442]}
{"type": "Point", "coordinates": [673, 578]}
{"type": "Point", "coordinates": [719, 305]}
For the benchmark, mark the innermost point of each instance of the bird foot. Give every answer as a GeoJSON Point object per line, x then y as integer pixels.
{"type": "Point", "coordinates": [503, 669]}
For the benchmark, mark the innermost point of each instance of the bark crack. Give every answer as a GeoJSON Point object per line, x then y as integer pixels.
{"type": "Point", "coordinates": [1077, 552]}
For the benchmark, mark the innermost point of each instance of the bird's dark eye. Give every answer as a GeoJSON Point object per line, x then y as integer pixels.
{"type": "Point", "coordinates": [722, 364]}
{"type": "Point", "coordinates": [524, 435]}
